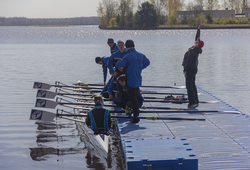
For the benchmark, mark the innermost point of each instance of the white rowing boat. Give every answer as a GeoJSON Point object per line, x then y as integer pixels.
{"type": "Point", "coordinates": [99, 141]}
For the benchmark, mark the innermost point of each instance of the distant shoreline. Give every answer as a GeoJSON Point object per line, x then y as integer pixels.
{"type": "Point", "coordinates": [179, 28]}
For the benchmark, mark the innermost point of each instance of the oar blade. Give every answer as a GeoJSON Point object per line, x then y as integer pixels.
{"type": "Point", "coordinates": [38, 85]}
{"type": "Point", "coordinates": [45, 94]}
{"type": "Point", "coordinates": [45, 103]}
{"type": "Point", "coordinates": [41, 115]}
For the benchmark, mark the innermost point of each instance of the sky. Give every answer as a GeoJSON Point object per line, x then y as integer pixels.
{"type": "Point", "coordinates": [48, 8]}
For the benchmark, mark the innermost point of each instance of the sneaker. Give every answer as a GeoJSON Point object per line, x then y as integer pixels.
{"type": "Point", "coordinates": [192, 105]}
{"type": "Point", "coordinates": [135, 120]}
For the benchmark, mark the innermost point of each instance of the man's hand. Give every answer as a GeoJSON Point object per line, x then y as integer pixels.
{"type": "Point", "coordinates": [111, 97]}
{"type": "Point", "coordinates": [201, 26]}
{"type": "Point", "coordinates": [185, 73]}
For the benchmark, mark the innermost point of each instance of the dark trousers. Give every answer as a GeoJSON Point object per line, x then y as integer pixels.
{"type": "Point", "coordinates": [134, 98]}
{"type": "Point", "coordinates": [191, 87]}
{"type": "Point", "coordinates": [120, 89]}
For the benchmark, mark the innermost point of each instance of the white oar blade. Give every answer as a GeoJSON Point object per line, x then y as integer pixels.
{"type": "Point", "coordinates": [45, 103]}
{"type": "Point", "coordinates": [45, 94]}
{"type": "Point", "coordinates": [41, 115]}
{"type": "Point", "coordinates": [38, 85]}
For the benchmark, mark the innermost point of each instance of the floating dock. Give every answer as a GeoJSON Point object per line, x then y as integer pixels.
{"type": "Point", "coordinates": [222, 141]}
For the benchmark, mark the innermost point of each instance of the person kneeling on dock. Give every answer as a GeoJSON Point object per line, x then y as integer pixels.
{"type": "Point", "coordinates": [124, 100]}
{"type": "Point", "coordinates": [99, 117]}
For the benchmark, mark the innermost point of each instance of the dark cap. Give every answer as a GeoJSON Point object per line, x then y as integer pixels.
{"type": "Point", "coordinates": [97, 98]}
{"type": "Point", "coordinates": [129, 44]}
{"type": "Point", "coordinates": [110, 40]}
{"type": "Point", "coordinates": [120, 41]}
{"type": "Point", "coordinates": [97, 59]}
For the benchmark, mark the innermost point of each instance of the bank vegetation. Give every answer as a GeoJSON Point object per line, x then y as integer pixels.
{"type": "Point", "coordinates": [163, 13]}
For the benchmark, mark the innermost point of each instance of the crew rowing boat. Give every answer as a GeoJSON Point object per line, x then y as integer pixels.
{"type": "Point", "coordinates": [100, 141]}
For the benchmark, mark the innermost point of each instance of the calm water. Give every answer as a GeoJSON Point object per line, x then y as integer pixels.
{"type": "Point", "coordinates": [66, 54]}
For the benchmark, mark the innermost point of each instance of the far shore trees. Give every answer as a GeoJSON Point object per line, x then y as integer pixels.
{"type": "Point", "coordinates": [153, 13]}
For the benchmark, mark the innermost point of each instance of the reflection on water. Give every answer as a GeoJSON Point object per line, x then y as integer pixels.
{"type": "Point", "coordinates": [53, 137]}
{"type": "Point", "coordinates": [48, 136]}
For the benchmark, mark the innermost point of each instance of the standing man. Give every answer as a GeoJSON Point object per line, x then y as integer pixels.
{"type": "Point", "coordinates": [112, 45]}
{"type": "Point", "coordinates": [99, 117]}
{"type": "Point", "coordinates": [112, 61]}
{"type": "Point", "coordinates": [190, 69]}
{"type": "Point", "coordinates": [135, 62]}
{"type": "Point", "coordinates": [103, 61]}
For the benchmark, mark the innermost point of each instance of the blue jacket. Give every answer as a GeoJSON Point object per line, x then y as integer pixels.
{"type": "Point", "coordinates": [99, 118]}
{"type": "Point", "coordinates": [136, 62]}
{"type": "Point", "coordinates": [110, 86]}
{"type": "Point", "coordinates": [114, 49]}
{"type": "Point", "coordinates": [116, 55]}
{"type": "Point", "coordinates": [104, 67]}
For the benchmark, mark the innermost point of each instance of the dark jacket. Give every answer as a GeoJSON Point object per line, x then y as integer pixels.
{"type": "Point", "coordinates": [190, 60]}
{"type": "Point", "coordinates": [99, 118]}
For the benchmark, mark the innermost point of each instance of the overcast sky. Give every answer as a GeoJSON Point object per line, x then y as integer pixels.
{"type": "Point", "coordinates": [48, 8]}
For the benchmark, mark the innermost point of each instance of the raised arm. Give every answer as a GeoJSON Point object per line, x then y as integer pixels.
{"type": "Point", "coordinates": [198, 32]}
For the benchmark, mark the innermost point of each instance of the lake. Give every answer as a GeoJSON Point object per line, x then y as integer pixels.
{"type": "Point", "coordinates": [66, 54]}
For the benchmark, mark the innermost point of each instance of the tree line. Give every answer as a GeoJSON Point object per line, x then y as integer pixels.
{"type": "Point", "coordinates": [152, 13]}
{"type": "Point", "coordinates": [22, 21]}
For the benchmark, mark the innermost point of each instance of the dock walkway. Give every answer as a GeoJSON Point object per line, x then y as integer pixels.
{"type": "Point", "coordinates": [220, 142]}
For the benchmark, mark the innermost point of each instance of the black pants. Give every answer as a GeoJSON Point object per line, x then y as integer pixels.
{"type": "Point", "coordinates": [191, 87]}
{"type": "Point", "coordinates": [134, 98]}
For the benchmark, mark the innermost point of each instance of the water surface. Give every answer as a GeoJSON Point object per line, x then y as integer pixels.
{"type": "Point", "coordinates": [66, 54]}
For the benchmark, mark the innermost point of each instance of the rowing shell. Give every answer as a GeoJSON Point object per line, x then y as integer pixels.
{"type": "Point", "coordinates": [99, 141]}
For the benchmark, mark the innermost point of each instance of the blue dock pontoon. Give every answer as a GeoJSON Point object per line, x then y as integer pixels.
{"type": "Point", "coordinates": [222, 141]}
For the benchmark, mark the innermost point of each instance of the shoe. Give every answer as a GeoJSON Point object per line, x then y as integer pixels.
{"type": "Point", "coordinates": [135, 120]}
{"type": "Point", "coordinates": [193, 105]}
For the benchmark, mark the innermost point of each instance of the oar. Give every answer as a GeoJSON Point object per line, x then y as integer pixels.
{"type": "Point", "coordinates": [176, 87]}
{"type": "Point", "coordinates": [45, 86]}
{"type": "Point", "coordinates": [179, 101]}
{"type": "Point", "coordinates": [48, 116]}
{"type": "Point", "coordinates": [142, 91]}
{"type": "Point", "coordinates": [52, 95]}
{"type": "Point", "coordinates": [51, 104]}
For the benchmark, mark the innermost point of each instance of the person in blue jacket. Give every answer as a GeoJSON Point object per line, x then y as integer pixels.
{"type": "Point", "coordinates": [109, 89]}
{"type": "Point", "coordinates": [113, 60]}
{"type": "Point", "coordinates": [190, 69]}
{"type": "Point", "coordinates": [104, 62]}
{"type": "Point", "coordinates": [99, 118]}
{"type": "Point", "coordinates": [135, 63]}
{"type": "Point", "coordinates": [112, 45]}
